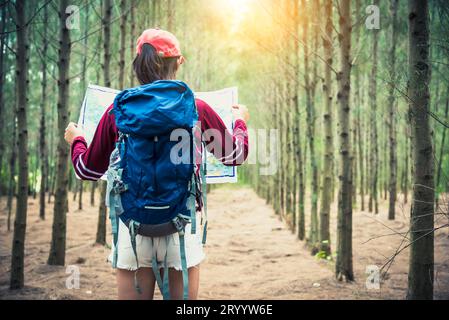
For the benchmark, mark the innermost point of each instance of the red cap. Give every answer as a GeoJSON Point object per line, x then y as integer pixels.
{"type": "Point", "coordinates": [164, 42]}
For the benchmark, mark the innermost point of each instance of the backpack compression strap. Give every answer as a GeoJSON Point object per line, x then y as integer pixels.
{"type": "Point", "coordinates": [203, 170]}
{"type": "Point", "coordinates": [115, 187]}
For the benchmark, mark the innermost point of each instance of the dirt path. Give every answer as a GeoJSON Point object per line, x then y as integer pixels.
{"type": "Point", "coordinates": [250, 255]}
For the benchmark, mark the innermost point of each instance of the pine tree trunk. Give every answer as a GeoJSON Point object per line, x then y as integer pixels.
{"type": "Point", "coordinates": [101, 226]}
{"type": "Point", "coordinates": [12, 167]}
{"type": "Point", "coordinates": [52, 156]}
{"type": "Point", "coordinates": [298, 152]}
{"type": "Point", "coordinates": [310, 85]}
{"type": "Point", "coordinates": [154, 13]}
{"type": "Point", "coordinates": [107, 14]}
{"type": "Point", "coordinates": [325, 245]}
{"type": "Point", "coordinates": [3, 41]}
{"type": "Point", "coordinates": [101, 230]}
{"type": "Point", "coordinates": [358, 141]}
{"type": "Point", "coordinates": [132, 36]}
{"type": "Point", "coordinates": [79, 183]}
{"type": "Point", "coordinates": [374, 152]}
{"type": "Point", "coordinates": [123, 20]}
{"type": "Point", "coordinates": [385, 163]}
{"type": "Point", "coordinates": [58, 242]}
{"type": "Point", "coordinates": [18, 243]}
{"type": "Point", "coordinates": [171, 15]}
{"type": "Point", "coordinates": [343, 265]}
{"type": "Point", "coordinates": [288, 120]}
{"type": "Point", "coordinates": [12, 170]}
{"type": "Point", "coordinates": [392, 118]}
{"type": "Point", "coordinates": [43, 129]}
{"type": "Point", "coordinates": [421, 264]}
{"type": "Point", "coordinates": [443, 143]}
{"type": "Point", "coordinates": [288, 45]}
{"type": "Point", "coordinates": [280, 125]}
{"type": "Point", "coordinates": [275, 114]}
{"type": "Point", "coordinates": [92, 193]}
{"type": "Point", "coordinates": [406, 162]}
{"type": "Point", "coordinates": [296, 123]}
{"type": "Point", "coordinates": [33, 190]}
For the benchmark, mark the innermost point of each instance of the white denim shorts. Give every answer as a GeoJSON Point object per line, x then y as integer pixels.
{"type": "Point", "coordinates": [160, 246]}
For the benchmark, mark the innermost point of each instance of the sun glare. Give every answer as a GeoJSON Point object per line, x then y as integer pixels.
{"type": "Point", "coordinates": [238, 9]}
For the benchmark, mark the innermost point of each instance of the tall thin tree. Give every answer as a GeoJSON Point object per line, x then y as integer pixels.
{"type": "Point", "coordinates": [443, 142]}
{"type": "Point", "coordinates": [3, 41]}
{"type": "Point", "coordinates": [18, 242]}
{"type": "Point", "coordinates": [310, 80]}
{"type": "Point", "coordinates": [343, 265]}
{"type": "Point", "coordinates": [374, 152]}
{"type": "Point", "coordinates": [358, 118]}
{"type": "Point", "coordinates": [392, 111]}
{"type": "Point", "coordinates": [12, 166]}
{"type": "Point", "coordinates": [107, 18]}
{"type": "Point", "coordinates": [123, 21]}
{"type": "Point", "coordinates": [58, 240]}
{"type": "Point", "coordinates": [132, 39]}
{"type": "Point", "coordinates": [421, 263]}
{"type": "Point", "coordinates": [43, 126]}
{"type": "Point", "coordinates": [328, 133]}
{"type": "Point", "coordinates": [299, 153]}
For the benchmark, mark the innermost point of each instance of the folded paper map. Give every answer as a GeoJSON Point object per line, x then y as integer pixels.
{"type": "Point", "coordinates": [97, 99]}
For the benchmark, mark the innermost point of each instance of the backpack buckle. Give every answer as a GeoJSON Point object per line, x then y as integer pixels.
{"type": "Point", "coordinates": [179, 226]}
{"type": "Point", "coordinates": [119, 187]}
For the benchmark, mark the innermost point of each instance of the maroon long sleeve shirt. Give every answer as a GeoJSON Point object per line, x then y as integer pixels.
{"type": "Point", "coordinates": [92, 162]}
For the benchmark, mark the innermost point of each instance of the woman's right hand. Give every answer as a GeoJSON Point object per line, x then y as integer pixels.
{"type": "Point", "coordinates": [240, 112]}
{"type": "Point", "coordinates": [71, 132]}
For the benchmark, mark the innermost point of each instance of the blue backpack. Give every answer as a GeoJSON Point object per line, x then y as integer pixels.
{"type": "Point", "coordinates": [152, 185]}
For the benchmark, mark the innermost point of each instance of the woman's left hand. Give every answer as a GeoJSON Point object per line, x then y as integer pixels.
{"type": "Point", "coordinates": [71, 132]}
{"type": "Point", "coordinates": [240, 112]}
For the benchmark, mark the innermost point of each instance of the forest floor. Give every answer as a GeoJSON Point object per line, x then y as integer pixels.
{"type": "Point", "coordinates": [251, 254]}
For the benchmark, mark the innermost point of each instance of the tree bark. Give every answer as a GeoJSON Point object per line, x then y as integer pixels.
{"type": "Point", "coordinates": [299, 154]}
{"type": "Point", "coordinates": [275, 115]}
{"type": "Point", "coordinates": [123, 21]}
{"type": "Point", "coordinates": [101, 228]}
{"type": "Point", "coordinates": [310, 88]}
{"type": "Point", "coordinates": [288, 118]}
{"type": "Point", "coordinates": [58, 242]}
{"type": "Point", "coordinates": [392, 118]}
{"type": "Point", "coordinates": [343, 265]}
{"type": "Point", "coordinates": [12, 168]}
{"type": "Point", "coordinates": [374, 152]}
{"type": "Point", "coordinates": [325, 244]}
{"type": "Point", "coordinates": [18, 244]}
{"type": "Point", "coordinates": [132, 37]}
{"type": "Point", "coordinates": [107, 14]}
{"type": "Point", "coordinates": [421, 263]}
{"type": "Point", "coordinates": [443, 144]}
{"type": "Point", "coordinates": [171, 15]}
{"type": "Point", "coordinates": [92, 193]}
{"type": "Point", "coordinates": [358, 174]}
{"type": "Point", "coordinates": [406, 162]}
{"type": "Point", "coordinates": [42, 132]}
{"type": "Point", "coordinates": [80, 183]}
{"type": "Point", "coordinates": [3, 41]}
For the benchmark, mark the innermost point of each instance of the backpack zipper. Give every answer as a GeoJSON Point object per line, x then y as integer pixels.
{"type": "Point", "coordinates": [155, 139]}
